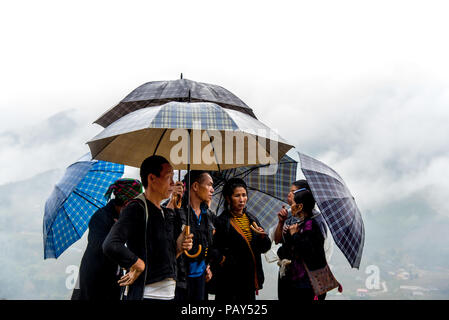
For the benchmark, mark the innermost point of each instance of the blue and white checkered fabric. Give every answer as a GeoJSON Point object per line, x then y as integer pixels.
{"type": "Point", "coordinates": [73, 201]}
{"type": "Point", "coordinates": [337, 206]}
{"type": "Point", "coordinates": [266, 193]}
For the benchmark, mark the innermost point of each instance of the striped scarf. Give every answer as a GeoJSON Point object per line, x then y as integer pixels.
{"type": "Point", "coordinates": [243, 223]}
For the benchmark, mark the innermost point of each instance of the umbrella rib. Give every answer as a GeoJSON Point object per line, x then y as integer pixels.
{"type": "Point", "coordinates": [106, 145]}
{"type": "Point", "coordinates": [159, 142]}
{"type": "Point", "coordinates": [270, 195]}
{"type": "Point", "coordinates": [249, 170]}
{"type": "Point", "coordinates": [81, 196]}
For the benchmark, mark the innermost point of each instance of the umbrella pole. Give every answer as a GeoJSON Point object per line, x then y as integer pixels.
{"type": "Point", "coordinates": [188, 204]}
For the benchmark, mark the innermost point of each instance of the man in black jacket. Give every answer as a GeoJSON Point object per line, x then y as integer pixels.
{"type": "Point", "coordinates": [195, 271]}
{"type": "Point", "coordinates": [152, 235]}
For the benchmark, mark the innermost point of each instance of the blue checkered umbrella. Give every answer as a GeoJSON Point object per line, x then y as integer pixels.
{"type": "Point", "coordinates": [156, 93]}
{"type": "Point", "coordinates": [74, 199]}
{"type": "Point", "coordinates": [337, 206]}
{"type": "Point", "coordinates": [267, 188]}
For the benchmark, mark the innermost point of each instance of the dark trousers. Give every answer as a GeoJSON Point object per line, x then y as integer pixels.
{"type": "Point", "coordinates": [287, 291]}
{"type": "Point", "coordinates": [195, 289]}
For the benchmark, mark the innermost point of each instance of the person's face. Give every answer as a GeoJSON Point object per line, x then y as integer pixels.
{"type": "Point", "coordinates": [204, 189]}
{"type": "Point", "coordinates": [296, 208]}
{"type": "Point", "coordinates": [291, 194]}
{"type": "Point", "coordinates": [163, 184]}
{"type": "Point", "coordinates": [238, 199]}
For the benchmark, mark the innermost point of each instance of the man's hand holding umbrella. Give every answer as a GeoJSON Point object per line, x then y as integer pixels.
{"type": "Point", "coordinates": [184, 242]}
{"type": "Point", "coordinates": [175, 199]}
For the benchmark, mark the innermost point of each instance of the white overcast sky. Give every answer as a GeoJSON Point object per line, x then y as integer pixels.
{"type": "Point", "coordinates": [361, 85]}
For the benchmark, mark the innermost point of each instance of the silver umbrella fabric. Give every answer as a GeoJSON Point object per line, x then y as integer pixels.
{"type": "Point", "coordinates": [337, 206]}
{"type": "Point", "coordinates": [182, 90]}
{"type": "Point", "coordinates": [217, 138]}
{"type": "Point", "coordinates": [268, 187]}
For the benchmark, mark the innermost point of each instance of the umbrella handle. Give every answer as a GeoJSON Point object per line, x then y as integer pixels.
{"type": "Point", "coordinates": [253, 227]}
{"type": "Point", "coordinates": [178, 201]}
{"type": "Point", "coordinates": [192, 256]}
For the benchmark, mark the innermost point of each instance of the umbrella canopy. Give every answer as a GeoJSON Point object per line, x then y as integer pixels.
{"type": "Point", "coordinates": [203, 135]}
{"type": "Point", "coordinates": [337, 206]}
{"type": "Point", "coordinates": [74, 199]}
{"type": "Point", "coordinates": [267, 187]}
{"type": "Point", "coordinates": [160, 92]}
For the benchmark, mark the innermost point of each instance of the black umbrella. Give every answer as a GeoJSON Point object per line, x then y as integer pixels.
{"type": "Point", "coordinates": [267, 187]}
{"type": "Point", "coordinates": [157, 93]}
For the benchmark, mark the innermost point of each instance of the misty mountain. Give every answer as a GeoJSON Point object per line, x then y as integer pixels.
{"type": "Point", "coordinates": [25, 274]}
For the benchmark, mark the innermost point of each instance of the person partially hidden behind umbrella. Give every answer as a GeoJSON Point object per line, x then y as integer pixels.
{"type": "Point", "coordinates": [195, 271]}
{"type": "Point", "coordinates": [286, 219]}
{"type": "Point", "coordinates": [303, 247]}
{"type": "Point", "coordinates": [98, 274]}
{"type": "Point", "coordinates": [152, 235]}
{"type": "Point", "coordinates": [238, 243]}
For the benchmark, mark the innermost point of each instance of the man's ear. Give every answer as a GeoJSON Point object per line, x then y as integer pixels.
{"type": "Point", "coordinates": [150, 178]}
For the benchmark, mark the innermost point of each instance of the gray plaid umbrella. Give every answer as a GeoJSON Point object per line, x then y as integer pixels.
{"type": "Point", "coordinates": [337, 206]}
{"type": "Point", "coordinates": [183, 90]}
{"type": "Point", "coordinates": [267, 188]}
{"type": "Point", "coordinates": [153, 131]}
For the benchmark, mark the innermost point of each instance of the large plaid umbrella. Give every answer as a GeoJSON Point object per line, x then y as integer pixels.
{"type": "Point", "coordinates": [74, 199]}
{"type": "Point", "coordinates": [215, 138]}
{"type": "Point", "coordinates": [209, 140]}
{"type": "Point", "coordinates": [182, 90]}
{"type": "Point", "coordinates": [337, 206]}
{"type": "Point", "coordinates": [267, 187]}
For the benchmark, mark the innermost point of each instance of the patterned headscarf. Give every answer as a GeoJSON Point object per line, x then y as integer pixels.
{"type": "Point", "coordinates": [124, 189]}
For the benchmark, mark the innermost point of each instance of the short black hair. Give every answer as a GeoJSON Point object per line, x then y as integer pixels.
{"type": "Point", "coordinates": [195, 176]}
{"type": "Point", "coordinates": [152, 164]}
{"type": "Point", "coordinates": [301, 184]}
{"type": "Point", "coordinates": [306, 198]}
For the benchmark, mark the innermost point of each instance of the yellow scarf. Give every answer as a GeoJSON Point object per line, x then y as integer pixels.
{"type": "Point", "coordinates": [243, 223]}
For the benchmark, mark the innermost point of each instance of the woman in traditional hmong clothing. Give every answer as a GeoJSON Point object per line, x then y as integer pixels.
{"type": "Point", "coordinates": [237, 248]}
{"type": "Point", "coordinates": [303, 247]}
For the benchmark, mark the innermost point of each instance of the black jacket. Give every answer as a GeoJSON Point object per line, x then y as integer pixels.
{"type": "Point", "coordinates": [306, 246]}
{"type": "Point", "coordinates": [203, 234]}
{"type": "Point", "coordinates": [157, 248]}
{"type": "Point", "coordinates": [241, 273]}
{"type": "Point", "coordinates": [98, 273]}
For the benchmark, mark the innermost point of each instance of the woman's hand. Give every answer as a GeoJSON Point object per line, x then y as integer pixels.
{"type": "Point", "coordinates": [294, 228]}
{"type": "Point", "coordinates": [282, 215]}
{"type": "Point", "coordinates": [258, 229]}
{"type": "Point", "coordinates": [134, 272]}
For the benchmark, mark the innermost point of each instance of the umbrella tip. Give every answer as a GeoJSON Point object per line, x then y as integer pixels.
{"type": "Point", "coordinates": [181, 75]}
